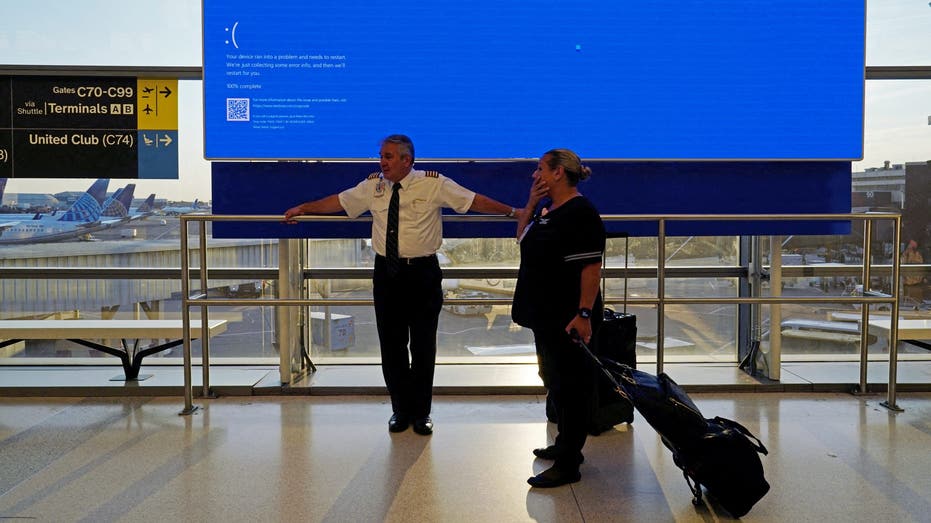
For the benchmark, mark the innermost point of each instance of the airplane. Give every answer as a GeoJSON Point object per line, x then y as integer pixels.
{"type": "Point", "coordinates": [147, 208]}
{"type": "Point", "coordinates": [175, 210]}
{"type": "Point", "coordinates": [80, 219]}
{"type": "Point", "coordinates": [116, 207]}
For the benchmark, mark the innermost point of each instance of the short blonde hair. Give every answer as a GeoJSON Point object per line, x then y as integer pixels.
{"type": "Point", "coordinates": [571, 163]}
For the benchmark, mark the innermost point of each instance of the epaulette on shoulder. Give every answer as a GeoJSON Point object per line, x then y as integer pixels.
{"type": "Point", "coordinates": [431, 174]}
{"type": "Point", "coordinates": [374, 175]}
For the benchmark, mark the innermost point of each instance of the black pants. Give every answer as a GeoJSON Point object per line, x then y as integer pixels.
{"type": "Point", "coordinates": [568, 374]}
{"type": "Point", "coordinates": [407, 309]}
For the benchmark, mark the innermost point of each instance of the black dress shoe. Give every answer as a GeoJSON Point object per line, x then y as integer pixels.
{"type": "Point", "coordinates": [398, 423]}
{"type": "Point", "coordinates": [554, 477]}
{"type": "Point", "coordinates": [423, 426]}
{"type": "Point", "coordinates": [551, 453]}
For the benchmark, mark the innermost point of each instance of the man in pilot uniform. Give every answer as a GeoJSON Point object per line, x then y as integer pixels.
{"type": "Point", "coordinates": [407, 281]}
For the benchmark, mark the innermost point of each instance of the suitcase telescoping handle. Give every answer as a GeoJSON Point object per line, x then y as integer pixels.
{"type": "Point", "coordinates": [617, 386]}
{"type": "Point", "coordinates": [604, 264]}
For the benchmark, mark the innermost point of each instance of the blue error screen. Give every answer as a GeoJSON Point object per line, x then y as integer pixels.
{"type": "Point", "coordinates": [493, 80]}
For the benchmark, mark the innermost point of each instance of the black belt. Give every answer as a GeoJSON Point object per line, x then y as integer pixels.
{"type": "Point", "coordinates": [413, 261]}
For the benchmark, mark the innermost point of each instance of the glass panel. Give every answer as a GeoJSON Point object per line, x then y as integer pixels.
{"type": "Point", "coordinates": [95, 32]}
{"type": "Point", "coordinates": [22, 198]}
{"type": "Point", "coordinates": [249, 332]}
{"type": "Point", "coordinates": [898, 128]}
{"type": "Point", "coordinates": [897, 33]}
{"type": "Point", "coordinates": [826, 266]}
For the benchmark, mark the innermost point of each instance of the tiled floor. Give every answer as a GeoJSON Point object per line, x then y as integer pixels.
{"type": "Point", "coordinates": [101, 449]}
{"type": "Point", "coordinates": [833, 457]}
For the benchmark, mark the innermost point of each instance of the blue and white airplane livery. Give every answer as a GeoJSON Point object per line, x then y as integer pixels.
{"type": "Point", "coordinates": [81, 218]}
{"type": "Point", "coordinates": [116, 207]}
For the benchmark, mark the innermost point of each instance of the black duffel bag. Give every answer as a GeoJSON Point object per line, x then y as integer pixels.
{"type": "Point", "coordinates": [726, 461]}
{"type": "Point", "coordinates": [718, 454]}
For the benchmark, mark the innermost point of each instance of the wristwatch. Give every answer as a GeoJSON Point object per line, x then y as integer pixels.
{"type": "Point", "coordinates": [585, 313]}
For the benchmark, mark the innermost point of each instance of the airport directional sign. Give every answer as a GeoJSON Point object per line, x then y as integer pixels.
{"type": "Point", "coordinates": [88, 127]}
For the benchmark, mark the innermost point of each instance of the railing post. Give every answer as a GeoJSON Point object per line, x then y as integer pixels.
{"type": "Point", "coordinates": [660, 292]}
{"type": "Point", "coordinates": [205, 332]}
{"type": "Point", "coordinates": [894, 320]}
{"type": "Point", "coordinates": [285, 317]}
{"type": "Point", "coordinates": [755, 278]}
{"type": "Point", "coordinates": [864, 307]}
{"type": "Point", "coordinates": [774, 362]}
{"type": "Point", "coordinates": [189, 406]}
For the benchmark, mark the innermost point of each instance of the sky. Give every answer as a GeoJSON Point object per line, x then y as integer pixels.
{"type": "Point", "coordinates": [168, 33]}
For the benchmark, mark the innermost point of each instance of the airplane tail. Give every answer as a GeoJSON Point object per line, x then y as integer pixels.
{"type": "Point", "coordinates": [117, 205]}
{"type": "Point", "coordinates": [2, 188]}
{"type": "Point", "coordinates": [88, 207]}
{"type": "Point", "coordinates": [128, 195]}
{"type": "Point", "coordinates": [148, 205]}
{"type": "Point", "coordinates": [110, 199]}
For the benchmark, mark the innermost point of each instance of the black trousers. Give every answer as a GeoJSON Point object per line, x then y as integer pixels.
{"type": "Point", "coordinates": [407, 310]}
{"type": "Point", "coordinates": [568, 374]}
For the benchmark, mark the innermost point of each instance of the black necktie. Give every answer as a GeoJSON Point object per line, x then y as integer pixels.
{"type": "Point", "coordinates": [391, 240]}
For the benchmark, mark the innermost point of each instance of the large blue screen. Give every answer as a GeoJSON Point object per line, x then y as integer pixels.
{"type": "Point", "coordinates": [498, 79]}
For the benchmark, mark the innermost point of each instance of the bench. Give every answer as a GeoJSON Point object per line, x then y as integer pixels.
{"type": "Point", "coordinates": [83, 332]}
{"type": "Point", "coordinates": [909, 331]}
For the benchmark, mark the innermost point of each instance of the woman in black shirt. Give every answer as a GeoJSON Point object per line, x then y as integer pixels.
{"type": "Point", "coordinates": [557, 297]}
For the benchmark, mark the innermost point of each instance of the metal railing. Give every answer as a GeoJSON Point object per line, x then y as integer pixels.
{"type": "Point", "coordinates": [867, 298]}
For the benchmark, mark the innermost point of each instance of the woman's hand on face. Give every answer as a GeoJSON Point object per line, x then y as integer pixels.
{"type": "Point", "coordinates": [538, 190]}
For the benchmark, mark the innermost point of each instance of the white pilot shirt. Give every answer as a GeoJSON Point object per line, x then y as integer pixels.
{"type": "Point", "coordinates": [423, 195]}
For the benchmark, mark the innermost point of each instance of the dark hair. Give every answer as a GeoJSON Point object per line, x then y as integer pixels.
{"type": "Point", "coordinates": [571, 163]}
{"type": "Point", "coordinates": [407, 146]}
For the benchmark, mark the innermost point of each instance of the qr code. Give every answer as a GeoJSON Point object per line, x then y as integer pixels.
{"type": "Point", "coordinates": [237, 109]}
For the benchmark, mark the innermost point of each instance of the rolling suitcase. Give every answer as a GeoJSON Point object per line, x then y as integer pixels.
{"type": "Point", "coordinates": [718, 454]}
{"type": "Point", "coordinates": [616, 340]}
